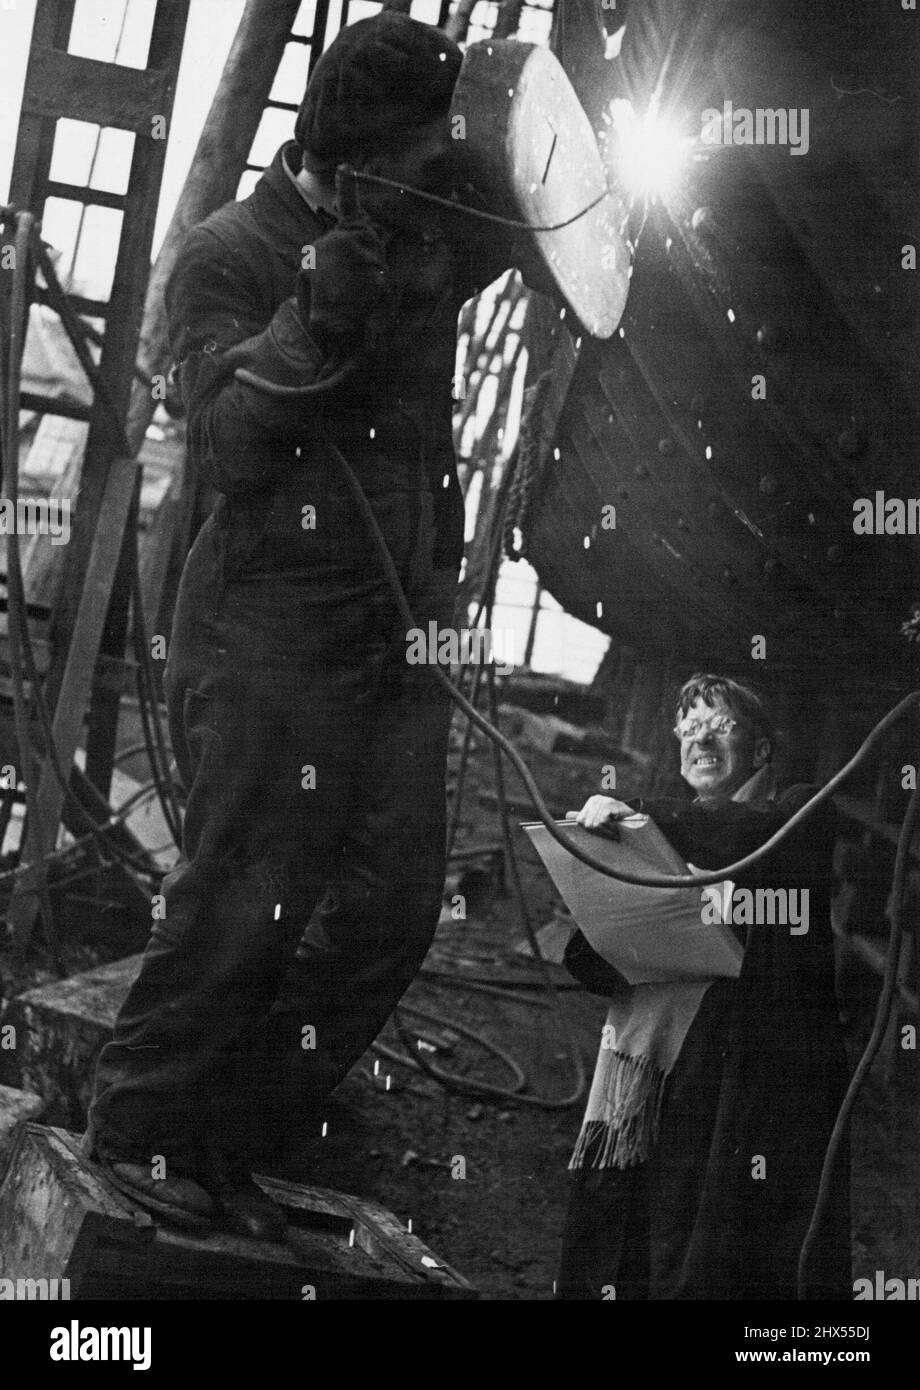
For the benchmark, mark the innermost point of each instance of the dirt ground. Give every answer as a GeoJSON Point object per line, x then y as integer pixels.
{"type": "Point", "coordinates": [484, 1180]}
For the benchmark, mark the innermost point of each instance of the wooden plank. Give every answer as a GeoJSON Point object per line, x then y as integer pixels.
{"type": "Point", "coordinates": [61, 1219]}
{"type": "Point", "coordinates": [81, 193]}
{"type": "Point", "coordinates": [16, 1108]}
{"type": "Point", "coordinates": [376, 1230]}
{"type": "Point", "coordinates": [61, 1029]}
{"type": "Point", "coordinates": [44, 1202]}
{"type": "Point", "coordinates": [106, 94]}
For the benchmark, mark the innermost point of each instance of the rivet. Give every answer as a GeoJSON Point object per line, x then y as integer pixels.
{"type": "Point", "coordinates": [768, 485]}
{"type": "Point", "coordinates": [666, 447]}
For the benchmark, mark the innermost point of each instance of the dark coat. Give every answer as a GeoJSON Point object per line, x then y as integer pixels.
{"type": "Point", "coordinates": [236, 283]}
{"type": "Point", "coordinates": [755, 1089]}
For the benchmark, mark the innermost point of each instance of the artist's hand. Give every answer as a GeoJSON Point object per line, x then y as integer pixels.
{"type": "Point", "coordinates": [343, 298]}
{"type": "Point", "coordinates": [597, 810]}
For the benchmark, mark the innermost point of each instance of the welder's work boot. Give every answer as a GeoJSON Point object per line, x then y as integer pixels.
{"type": "Point", "coordinates": [242, 1206]}
{"type": "Point", "coordinates": [179, 1200]}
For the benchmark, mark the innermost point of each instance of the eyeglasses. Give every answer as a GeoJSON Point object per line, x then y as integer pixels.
{"type": "Point", "coordinates": [721, 724]}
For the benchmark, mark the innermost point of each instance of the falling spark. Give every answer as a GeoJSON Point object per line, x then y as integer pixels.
{"type": "Point", "coordinates": [731, 316]}
{"type": "Point", "coordinates": [277, 911]}
{"type": "Point", "coordinates": [325, 1130]}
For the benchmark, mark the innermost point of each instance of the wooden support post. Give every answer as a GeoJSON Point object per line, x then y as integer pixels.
{"type": "Point", "coordinates": [217, 166]}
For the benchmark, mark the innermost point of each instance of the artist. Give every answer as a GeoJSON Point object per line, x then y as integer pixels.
{"type": "Point", "coordinates": [312, 752]}
{"type": "Point", "coordinates": [700, 1182]}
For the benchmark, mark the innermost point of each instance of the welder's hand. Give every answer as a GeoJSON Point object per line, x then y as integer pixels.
{"type": "Point", "coordinates": [344, 298]}
{"type": "Point", "coordinates": [597, 810]}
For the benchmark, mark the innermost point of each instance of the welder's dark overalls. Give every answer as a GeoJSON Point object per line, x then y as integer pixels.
{"type": "Point", "coordinates": [312, 751]}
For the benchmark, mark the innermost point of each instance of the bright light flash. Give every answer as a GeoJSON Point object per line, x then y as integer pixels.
{"type": "Point", "coordinates": [650, 150]}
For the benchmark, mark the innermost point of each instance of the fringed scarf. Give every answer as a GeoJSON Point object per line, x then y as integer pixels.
{"type": "Point", "coordinates": [642, 1038]}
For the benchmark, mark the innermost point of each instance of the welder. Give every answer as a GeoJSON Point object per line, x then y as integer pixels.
{"type": "Point", "coordinates": [312, 313]}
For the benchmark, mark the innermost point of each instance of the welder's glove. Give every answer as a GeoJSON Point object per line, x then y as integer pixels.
{"type": "Point", "coordinates": [344, 299]}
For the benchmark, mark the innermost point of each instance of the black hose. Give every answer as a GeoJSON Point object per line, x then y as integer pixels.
{"type": "Point", "coordinates": [879, 1029]}
{"type": "Point", "coordinates": [149, 710]}
{"type": "Point", "coordinates": [648, 880]}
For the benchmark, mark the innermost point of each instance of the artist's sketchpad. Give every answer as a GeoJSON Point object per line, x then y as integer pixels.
{"type": "Point", "coordinates": [532, 152]}
{"type": "Point", "coordinates": [60, 1029]}
{"type": "Point", "coordinates": [60, 1219]}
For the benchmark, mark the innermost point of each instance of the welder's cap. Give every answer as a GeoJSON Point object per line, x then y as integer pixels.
{"type": "Point", "coordinates": [378, 77]}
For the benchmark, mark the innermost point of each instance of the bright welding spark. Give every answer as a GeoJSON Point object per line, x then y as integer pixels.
{"type": "Point", "coordinates": [650, 153]}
